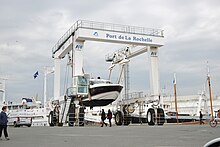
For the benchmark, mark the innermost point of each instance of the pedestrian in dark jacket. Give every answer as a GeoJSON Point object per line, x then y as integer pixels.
{"type": "Point", "coordinates": [3, 123]}
{"type": "Point", "coordinates": [103, 117]}
{"type": "Point", "coordinates": [109, 116]}
{"type": "Point", "coordinates": [200, 117]}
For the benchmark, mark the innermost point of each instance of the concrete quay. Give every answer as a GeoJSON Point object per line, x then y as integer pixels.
{"type": "Point", "coordinates": [117, 136]}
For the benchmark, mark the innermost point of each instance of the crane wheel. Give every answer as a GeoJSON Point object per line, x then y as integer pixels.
{"type": "Point", "coordinates": [118, 118]}
{"type": "Point", "coordinates": [151, 117]}
{"type": "Point", "coordinates": [81, 116]}
{"type": "Point", "coordinates": [60, 124]}
{"type": "Point", "coordinates": [127, 120]}
{"type": "Point", "coordinates": [50, 119]}
{"type": "Point", "coordinates": [160, 117]}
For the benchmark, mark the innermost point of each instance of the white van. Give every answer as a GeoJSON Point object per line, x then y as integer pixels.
{"type": "Point", "coordinates": [20, 121]}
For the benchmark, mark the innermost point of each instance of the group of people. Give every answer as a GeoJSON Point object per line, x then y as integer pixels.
{"type": "Point", "coordinates": [103, 118]}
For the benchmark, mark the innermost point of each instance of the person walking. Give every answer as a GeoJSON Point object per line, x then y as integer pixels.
{"type": "Point", "coordinates": [103, 117]}
{"type": "Point", "coordinates": [218, 114]}
{"type": "Point", "coordinates": [3, 123]}
{"type": "Point", "coordinates": [109, 116]}
{"type": "Point", "coordinates": [200, 117]}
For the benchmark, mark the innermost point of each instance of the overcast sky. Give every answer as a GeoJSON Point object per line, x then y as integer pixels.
{"type": "Point", "coordinates": [29, 30]}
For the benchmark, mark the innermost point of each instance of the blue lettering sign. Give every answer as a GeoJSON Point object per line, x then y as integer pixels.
{"type": "Point", "coordinates": [153, 54]}
{"type": "Point", "coordinates": [78, 47]}
{"type": "Point", "coordinates": [142, 39]}
{"type": "Point", "coordinates": [128, 38]}
{"type": "Point", "coordinates": [95, 34]}
{"type": "Point", "coordinates": [121, 37]}
{"type": "Point", "coordinates": [111, 36]}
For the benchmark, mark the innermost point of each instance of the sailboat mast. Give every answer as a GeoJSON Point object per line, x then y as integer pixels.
{"type": "Point", "coordinates": [210, 90]}
{"type": "Point", "coordinates": [174, 82]}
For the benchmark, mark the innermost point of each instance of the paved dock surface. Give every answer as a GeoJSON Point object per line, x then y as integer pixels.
{"type": "Point", "coordinates": [124, 136]}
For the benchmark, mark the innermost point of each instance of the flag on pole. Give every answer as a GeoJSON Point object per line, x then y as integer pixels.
{"type": "Point", "coordinates": [174, 78]}
{"type": "Point", "coordinates": [36, 75]}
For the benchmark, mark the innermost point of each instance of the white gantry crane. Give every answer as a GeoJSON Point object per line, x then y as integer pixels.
{"type": "Point", "coordinates": [64, 107]}
{"type": "Point", "coordinates": [147, 109]}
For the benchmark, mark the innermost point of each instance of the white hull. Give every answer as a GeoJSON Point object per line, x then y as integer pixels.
{"type": "Point", "coordinates": [104, 96]}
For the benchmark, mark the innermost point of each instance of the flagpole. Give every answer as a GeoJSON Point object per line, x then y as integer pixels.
{"type": "Point", "coordinates": [45, 86]}
{"type": "Point", "coordinates": [174, 82]}
{"type": "Point", "coordinates": [210, 91]}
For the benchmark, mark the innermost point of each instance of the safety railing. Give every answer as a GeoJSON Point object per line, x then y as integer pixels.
{"type": "Point", "coordinates": [105, 27]}
{"type": "Point", "coordinates": [76, 119]}
{"type": "Point", "coordinates": [135, 95]}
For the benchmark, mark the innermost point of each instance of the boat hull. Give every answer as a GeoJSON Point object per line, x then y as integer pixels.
{"type": "Point", "coordinates": [102, 95]}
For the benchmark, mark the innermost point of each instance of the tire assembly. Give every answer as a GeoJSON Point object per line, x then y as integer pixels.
{"type": "Point", "coordinates": [60, 124]}
{"type": "Point", "coordinates": [81, 116]}
{"type": "Point", "coordinates": [51, 119]}
{"type": "Point", "coordinates": [126, 118]}
{"type": "Point", "coordinates": [118, 118]}
{"type": "Point", "coordinates": [160, 117]}
{"type": "Point", "coordinates": [151, 117]}
{"type": "Point", "coordinates": [71, 118]}
{"type": "Point", "coordinates": [121, 119]}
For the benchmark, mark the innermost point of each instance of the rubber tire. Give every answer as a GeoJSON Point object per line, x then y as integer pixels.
{"type": "Point", "coordinates": [151, 117]}
{"type": "Point", "coordinates": [160, 117]}
{"type": "Point", "coordinates": [28, 125]}
{"type": "Point", "coordinates": [60, 124]}
{"type": "Point", "coordinates": [71, 114]}
{"type": "Point", "coordinates": [15, 124]}
{"type": "Point", "coordinates": [118, 118]}
{"type": "Point", "coordinates": [213, 123]}
{"type": "Point", "coordinates": [50, 119]}
{"type": "Point", "coordinates": [81, 116]}
{"type": "Point", "coordinates": [127, 120]}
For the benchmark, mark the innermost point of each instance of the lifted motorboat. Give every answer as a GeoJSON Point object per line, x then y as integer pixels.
{"type": "Point", "coordinates": [101, 92]}
{"type": "Point", "coordinates": [86, 92]}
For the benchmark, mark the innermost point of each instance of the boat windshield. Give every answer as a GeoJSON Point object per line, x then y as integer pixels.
{"type": "Point", "coordinates": [99, 81]}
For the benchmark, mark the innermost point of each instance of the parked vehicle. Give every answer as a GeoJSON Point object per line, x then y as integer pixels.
{"type": "Point", "coordinates": [20, 121]}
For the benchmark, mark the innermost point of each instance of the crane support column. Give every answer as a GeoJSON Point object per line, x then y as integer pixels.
{"type": "Point", "coordinates": [56, 78]}
{"type": "Point", "coordinates": [154, 72]}
{"type": "Point", "coordinates": [78, 58]}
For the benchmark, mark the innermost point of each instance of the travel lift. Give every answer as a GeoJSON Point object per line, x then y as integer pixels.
{"type": "Point", "coordinates": [69, 108]}
{"type": "Point", "coordinates": [136, 108]}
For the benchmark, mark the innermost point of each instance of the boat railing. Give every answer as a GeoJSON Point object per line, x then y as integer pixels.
{"type": "Point", "coordinates": [136, 95]}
